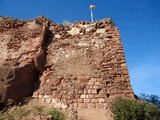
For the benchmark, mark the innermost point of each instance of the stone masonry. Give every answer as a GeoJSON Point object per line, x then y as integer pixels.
{"type": "Point", "coordinates": [86, 67]}
{"type": "Point", "coordinates": [74, 66]}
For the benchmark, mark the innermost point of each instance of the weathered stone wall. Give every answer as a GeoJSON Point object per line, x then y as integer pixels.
{"type": "Point", "coordinates": [21, 57]}
{"type": "Point", "coordinates": [75, 66]}
{"type": "Point", "coordinates": [86, 67]}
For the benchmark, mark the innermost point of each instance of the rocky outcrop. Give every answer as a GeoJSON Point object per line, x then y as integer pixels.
{"type": "Point", "coordinates": [75, 66]}
{"type": "Point", "coordinates": [22, 57]}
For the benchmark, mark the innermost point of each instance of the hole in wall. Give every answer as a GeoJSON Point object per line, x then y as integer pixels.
{"type": "Point", "coordinates": [98, 90]}
{"type": "Point", "coordinates": [107, 83]}
{"type": "Point", "coordinates": [107, 94]}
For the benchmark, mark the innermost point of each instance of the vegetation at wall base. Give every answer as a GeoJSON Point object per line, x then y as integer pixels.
{"type": "Point", "coordinates": [129, 109]}
{"type": "Point", "coordinates": [30, 110]}
{"type": "Point", "coordinates": [57, 114]}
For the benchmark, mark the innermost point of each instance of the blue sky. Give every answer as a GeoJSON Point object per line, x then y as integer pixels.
{"type": "Point", "coordinates": [137, 20]}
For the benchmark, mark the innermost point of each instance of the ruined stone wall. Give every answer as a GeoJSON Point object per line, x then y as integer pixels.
{"type": "Point", "coordinates": [86, 67]}
{"type": "Point", "coordinates": [78, 65]}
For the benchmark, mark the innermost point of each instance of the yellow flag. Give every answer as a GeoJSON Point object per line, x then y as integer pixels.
{"type": "Point", "coordinates": [91, 7]}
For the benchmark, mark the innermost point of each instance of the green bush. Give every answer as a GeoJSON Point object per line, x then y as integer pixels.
{"type": "Point", "coordinates": [126, 109]}
{"type": "Point", "coordinates": [57, 114]}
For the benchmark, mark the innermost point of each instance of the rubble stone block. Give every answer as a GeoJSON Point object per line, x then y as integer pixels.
{"type": "Point", "coordinates": [53, 101]}
{"type": "Point", "coordinates": [94, 100]}
{"type": "Point", "coordinates": [41, 100]}
{"type": "Point", "coordinates": [82, 105]}
{"type": "Point", "coordinates": [95, 87]}
{"type": "Point", "coordinates": [100, 105]}
{"type": "Point", "coordinates": [94, 91]}
{"type": "Point", "coordinates": [89, 91]}
{"type": "Point", "coordinates": [48, 100]}
{"type": "Point", "coordinates": [83, 96]}
{"type": "Point", "coordinates": [93, 80]}
{"type": "Point", "coordinates": [101, 100]}
{"type": "Point", "coordinates": [57, 105]}
{"type": "Point", "coordinates": [75, 105]}
{"type": "Point", "coordinates": [97, 83]}
{"type": "Point", "coordinates": [46, 96]}
{"type": "Point", "coordinates": [35, 100]}
{"type": "Point", "coordinates": [91, 105]}
{"type": "Point", "coordinates": [87, 100]}
{"type": "Point", "coordinates": [40, 96]}
{"type": "Point", "coordinates": [80, 100]}
{"type": "Point", "coordinates": [91, 83]}
{"type": "Point", "coordinates": [91, 96]}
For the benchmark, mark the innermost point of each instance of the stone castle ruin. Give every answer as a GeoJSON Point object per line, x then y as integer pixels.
{"type": "Point", "coordinates": [74, 66]}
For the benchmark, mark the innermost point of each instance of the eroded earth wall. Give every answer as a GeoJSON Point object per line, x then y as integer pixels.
{"type": "Point", "coordinates": [22, 57]}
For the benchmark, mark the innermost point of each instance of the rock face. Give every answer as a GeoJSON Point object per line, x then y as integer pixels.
{"type": "Point", "coordinates": [79, 65]}
{"type": "Point", "coordinates": [22, 57]}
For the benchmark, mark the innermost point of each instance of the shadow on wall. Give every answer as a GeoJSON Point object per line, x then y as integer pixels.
{"type": "Point", "coordinates": [17, 83]}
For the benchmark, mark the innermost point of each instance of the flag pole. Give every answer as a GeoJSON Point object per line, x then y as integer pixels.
{"type": "Point", "coordinates": [91, 7]}
{"type": "Point", "coordinates": [91, 16]}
